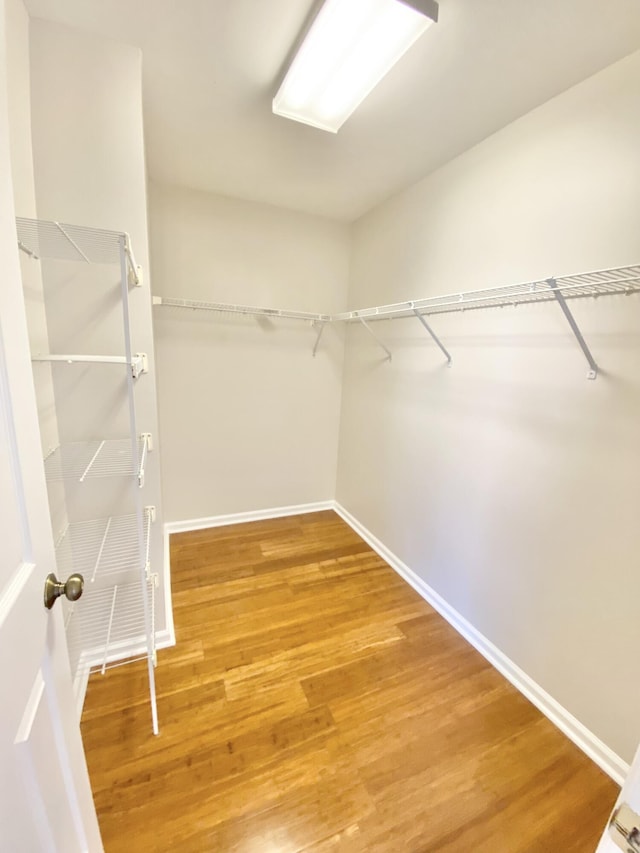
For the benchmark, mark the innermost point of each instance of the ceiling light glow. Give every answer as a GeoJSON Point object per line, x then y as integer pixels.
{"type": "Point", "coordinates": [349, 48]}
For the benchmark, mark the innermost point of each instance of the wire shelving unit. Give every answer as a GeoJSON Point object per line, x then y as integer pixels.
{"type": "Point", "coordinates": [113, 622]}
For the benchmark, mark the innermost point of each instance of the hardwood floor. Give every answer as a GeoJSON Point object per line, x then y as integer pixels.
{"type": "Point", "coordinates": [314, 702]}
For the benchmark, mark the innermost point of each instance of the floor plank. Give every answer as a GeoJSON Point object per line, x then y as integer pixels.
{"type": "Point", "coordinates": [314, 702]}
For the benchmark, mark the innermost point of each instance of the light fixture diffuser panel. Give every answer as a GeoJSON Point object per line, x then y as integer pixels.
{"type": "Point", "coordinates": [350, 47]}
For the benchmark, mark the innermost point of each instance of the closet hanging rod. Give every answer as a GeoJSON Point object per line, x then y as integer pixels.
{"type": "Point", "coordinates": [229, 308]}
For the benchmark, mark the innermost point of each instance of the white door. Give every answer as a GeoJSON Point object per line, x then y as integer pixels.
{"type": "Point", "coordinates": [45, 796]}
{"type": "Point", "coordinates": [630, 794]}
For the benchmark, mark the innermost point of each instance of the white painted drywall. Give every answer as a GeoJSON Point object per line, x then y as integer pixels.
{"type": "Point", "coordinates": [510, 482]}
{"type": "Point", "coordinates": [19, 107]}
{"type": "Point", "coordinates": [88, 148]}
{"type": "Point", "coordinates": [19, 102]}
{"type": "Point", "coordinates": [249, 418]}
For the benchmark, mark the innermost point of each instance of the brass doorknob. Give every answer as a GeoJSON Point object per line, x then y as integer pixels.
{"type": "Point", "coordinates": [53, 589]}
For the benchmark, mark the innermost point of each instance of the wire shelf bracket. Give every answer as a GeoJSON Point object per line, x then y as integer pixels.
{"type": "Point", "coordinates": [562, 302]}
{"type": "Point", "coordinates": [376, 338]}
{"type": "Point", "coordinates": [434, 336]}
{"type": "Point", "coordinates": [320, 327]}
{"type": "Point", "coordinates": [147, 447]}
{"type": "Point", "coordinates": [135, 270]}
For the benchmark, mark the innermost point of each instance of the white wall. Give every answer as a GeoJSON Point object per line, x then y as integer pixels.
{"type": "Point", "coordinates": [509, 482]}
{"type": "Point", "coordinates": [88, 150]}
{"type": "Point", "coordinates": [19, 105]}
{"type": "Point", "coordinates": [249, 417]}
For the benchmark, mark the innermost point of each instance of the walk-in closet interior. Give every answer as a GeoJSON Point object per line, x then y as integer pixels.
{"type": "Point", "coordinates": [303, 408]}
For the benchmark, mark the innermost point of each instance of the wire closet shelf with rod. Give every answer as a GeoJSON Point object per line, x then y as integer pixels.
{"type": "Point", "coordinates": [615, 281]}
{"type": "Point", "coordinates": [99, 459]}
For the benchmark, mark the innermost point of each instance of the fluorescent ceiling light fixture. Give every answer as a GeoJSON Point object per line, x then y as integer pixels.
{"type": "Point", "coordinates": [349, 48]}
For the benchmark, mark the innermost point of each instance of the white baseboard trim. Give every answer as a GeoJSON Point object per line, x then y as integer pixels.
{"type": "Point", "coordinates": [598, 751]}
{"type": "Point", "coordinates": [131, 649]}
{"type": "Point", "coordinates": [166, 586]}
{"type": "Point", "coordinates": [242, 517]}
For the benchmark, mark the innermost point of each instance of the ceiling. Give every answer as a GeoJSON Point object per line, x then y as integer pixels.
{"type": "Point", "coordinates": [211, 68]}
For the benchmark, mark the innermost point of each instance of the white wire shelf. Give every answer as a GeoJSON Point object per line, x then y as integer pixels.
{"type": "Point", "coordinates": [41, 238]}
{"type": "Point", "coordinates": [229, 308]}
{"type": "Point", "coordinates": [619, 280]}
{"type": "Point", "coordinates": [622, 280]}
{"type": "Point", "coordinates": [104, 547]}
{"type": "Point", "coordinates": [106, 627]}
{"type": "Point", "coordinates": [48, 239]}
{"type": "Point", "coordinates": [608, 282]}
{"type": "Point", "coordinates": [138, 362]}
{"type": "Point", "coordinates": [83, 460]}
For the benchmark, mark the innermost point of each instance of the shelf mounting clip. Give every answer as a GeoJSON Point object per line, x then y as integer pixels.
{"type": "Point", "coordinates": [319, 325]}
{"type": "Point", "coordinates": [562, 302]}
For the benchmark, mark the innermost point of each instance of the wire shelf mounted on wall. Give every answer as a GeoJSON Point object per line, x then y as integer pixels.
{"type": "Point", "coordinates": [609, 282]}
{"type": "Point", "coordinates": [47, 239]}
{"type": "Point", "coordinates": [104, 547]}
{"type": "Point", "coordinates": [138, 363]}
{"type": "Point", "coordinates": [106, 627]}
{"type": "Point", "coordinates": [599, 283]}
{"type": "Point", "coordinates": [621, 280]}
{"type": "Point", "coordinates": [82, 460]}
{"type": "Point", "coordinates": [318, 321]}
{"type": "Point", "coordinates": [252, 310]}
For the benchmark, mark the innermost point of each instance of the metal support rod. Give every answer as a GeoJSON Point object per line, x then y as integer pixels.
{"type": "Point", "coordinates": [593, 372]}
{"type": "Point", "coordinates": [433, 334]}
{"type": "Point", "coordinates": [92, 460]}
{"type": "Point", "coordinates": [102, 544]}
{"type": "Point", "coordinates": [132, 261]}
{"type": "Point", "coordinates": [73, 242]}
{"type": "Point", "coordinates": [149, 519]}
{"type": "Point", "coordinates": [27, 251]}
{"type": "Point", "coordinates": [375, 337]}
{"type": "Point", "coordinates": [320, 331]}
{"type": "Point", "coordinates": [110, 626]}
{"type": "Point", "coordinates": [143, 459]}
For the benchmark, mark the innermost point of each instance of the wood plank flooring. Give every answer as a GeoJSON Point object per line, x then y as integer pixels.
{"type": "Point", "coordinates": [314, 702]}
